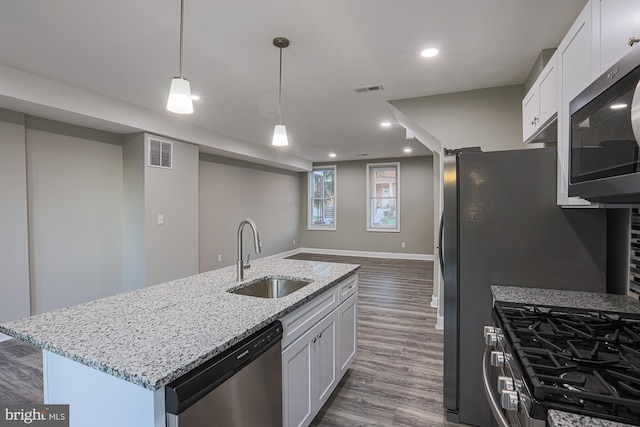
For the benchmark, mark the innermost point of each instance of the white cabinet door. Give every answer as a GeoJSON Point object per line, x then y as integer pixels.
{"type": "Point", "coordinates": [325, 353]}
{"type": "Point", "coordinates": [297, 382]}
{"type": "Point", "coordinates": [617, 24]}
{"type": "Point", "coordinates": [530, 112]}
{"type": "Point", "coordinates": [548, 91]}
{"type": "Point", "coordinates": [347, 334]}
{"type": "Point", "coordinates": [577, 68]}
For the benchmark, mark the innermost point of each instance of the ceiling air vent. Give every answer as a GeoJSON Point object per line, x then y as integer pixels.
{"type": "Point", "coordinates": [368, 89]}
{"type": "Point", "coordinates": [160, 153]}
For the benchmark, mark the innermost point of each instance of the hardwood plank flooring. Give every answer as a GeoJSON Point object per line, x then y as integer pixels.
{"type": "Point", "coordinates": [20, 373]}
{"type": "Point", "coordinates": [396, 379]}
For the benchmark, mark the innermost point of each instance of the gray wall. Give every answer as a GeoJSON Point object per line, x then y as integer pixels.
{"type": "Point", "coordinates": [171, 249]}
{"type": "Point", "coordinates": [231, 191]}
{"type": "Point", "coordinates": [416, 210]}
{"type": "Point", "coordinates": [75, 214]}
{"type": "Point", "coordinates": [14, 250]}
{"type": "Point", "coordinates": [490, 118]}
{"type": "Point", "coordinates": [134, 263]}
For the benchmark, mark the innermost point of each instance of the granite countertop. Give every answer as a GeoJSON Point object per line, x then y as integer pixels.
{"type": "Point", "coordinates": [154, 335]}
{"type": "Point", "coordinates": [571, 299]}
{"type": "Point", "coordinates": [565, 419]}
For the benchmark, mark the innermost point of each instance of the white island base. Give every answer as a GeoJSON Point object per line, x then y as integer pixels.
{"type": "Point", "coordinates": [98, 399]}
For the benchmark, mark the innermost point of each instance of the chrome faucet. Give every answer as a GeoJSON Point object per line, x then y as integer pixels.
{"type": "Point", "coordinates": [256, 242]}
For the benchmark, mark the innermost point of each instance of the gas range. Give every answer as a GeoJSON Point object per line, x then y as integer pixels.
{"type": "Point", "coordinates": [574, 360]}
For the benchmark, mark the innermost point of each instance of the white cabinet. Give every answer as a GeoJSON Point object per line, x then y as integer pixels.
{"type": "Point", "coordinates": [618, 21]}
{"type": "Point", "coordinates": [577, 68]}
{"type": "Point", "coordinates": [540, 105]}
{"type": "Point", "coordinates": [347, 333]}
{"type": "Point", "coordinates": [309, 373]}
{"type": "Point", "coordinates": [318, 348]}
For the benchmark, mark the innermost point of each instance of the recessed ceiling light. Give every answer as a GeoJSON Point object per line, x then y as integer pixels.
{"type": "Point", "coordinates": [385, 124]}
{"type": "Point", "coordinates": [408, 150]}
{"type": "Point", "coordinates": [429, 53]}
{"type": "Point", "coordinates": [618, 106]}
{"type": "Point", "coordinates": [332, 154]}
{"type": "Point", "coordinates": [195, 98]}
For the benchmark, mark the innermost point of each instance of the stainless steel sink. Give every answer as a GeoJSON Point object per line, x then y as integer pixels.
{"type": "Point", "coordinates": [272, 287]}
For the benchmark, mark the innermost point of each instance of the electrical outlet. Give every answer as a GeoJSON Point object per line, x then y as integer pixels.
{"type": "Point", "coordinates": [294, 241]}
{"type": "Point", "coordinates": [219, 257]}
{"type": "Point", "coordinates": [160, 219]}
{"type": "Point", "coordinates": [403, 244]}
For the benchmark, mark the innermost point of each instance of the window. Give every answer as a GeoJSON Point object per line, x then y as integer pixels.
{"type": "Point", "coordinates": [383, 195]}
{"type": "Point", "coordinates": [322, 198]}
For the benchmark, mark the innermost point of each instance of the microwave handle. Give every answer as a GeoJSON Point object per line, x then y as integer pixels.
{"type": "Point", "coordinates": [635, 113]}
{"type": "Point", "coordinates": [496, 409]}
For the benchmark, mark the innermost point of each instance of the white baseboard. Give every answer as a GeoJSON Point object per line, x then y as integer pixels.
{"type": "Point", "coordinates": [440, 322]}
{"type": "Point", "coordinates": [434, 301]}
{"type": "Point", "coordinates": [285, 254]}
{"type": "Point", "coordinates": [4, 337]}
{"type": "Point", "coordinates": [369, 254]}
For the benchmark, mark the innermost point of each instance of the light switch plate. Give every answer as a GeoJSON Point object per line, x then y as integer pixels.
{"type": "Point", "coordinates": [160, 219]}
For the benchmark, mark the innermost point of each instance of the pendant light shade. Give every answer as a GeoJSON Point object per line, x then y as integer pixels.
{"type": "Point", "coordinates": [280, 136]}
{"type": "Point", "coordinates": [179, 100]}
{"type": "Point", "coordinates": [280, 131]}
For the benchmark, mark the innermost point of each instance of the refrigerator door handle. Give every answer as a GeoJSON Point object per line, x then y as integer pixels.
{"type": "Point", "coordinates": [440, 237]}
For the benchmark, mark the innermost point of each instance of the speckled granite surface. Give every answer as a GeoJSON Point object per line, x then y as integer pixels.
{"type": "Point", "coordinates": [559, 298]}
{"type": "Point", "coordinates": [151, 336]}
{"type": "Point", "coordinates": [564, 419]}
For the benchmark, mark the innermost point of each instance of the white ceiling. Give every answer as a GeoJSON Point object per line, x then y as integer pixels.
{"type": "Point", "coordinates": [128, 50]}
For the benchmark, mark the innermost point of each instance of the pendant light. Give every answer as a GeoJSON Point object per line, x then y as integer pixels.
{"type": "Point", "coordinates": [280, 131]}
{"type": "Point", "coordinates": [180, 91]}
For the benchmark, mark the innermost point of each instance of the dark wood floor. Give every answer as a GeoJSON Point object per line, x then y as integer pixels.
{"type": "Point", "coordinates": [396, 379]}
{"type": "Point", "coordinates": [20, 373]}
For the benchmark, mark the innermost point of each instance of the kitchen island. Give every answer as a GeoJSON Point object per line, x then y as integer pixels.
{"type": "Point", "coordinates": [111, 358]}
{"type": "Point", "coordinates": [597, 302]}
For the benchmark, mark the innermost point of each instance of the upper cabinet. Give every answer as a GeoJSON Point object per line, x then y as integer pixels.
{"type": "Point", "coordinates": [540, 105]}
{"type": "Point", "coordinates": [577, 68]}
{"type": "Point", "coordinates": [617, 27]}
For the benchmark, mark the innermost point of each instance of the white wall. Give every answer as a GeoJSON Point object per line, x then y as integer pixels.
{"type": "Point", "coordinates": [231, 191]}
{"type": "Point", "coordinates": [489, 118]}
{"type": "Point", "coordinates": [75, 192]}
{"type": "Point", "coordinates": [14, 251]}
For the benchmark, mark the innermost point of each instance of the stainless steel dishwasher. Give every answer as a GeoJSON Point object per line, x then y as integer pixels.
{"type": "Point", "coordinates": [241, 387]}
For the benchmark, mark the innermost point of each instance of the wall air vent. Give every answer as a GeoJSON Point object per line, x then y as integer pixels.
{"type": "Point", "coordinates": [368, 89]}
{"type": "Point", "coordinates": [160, 153]}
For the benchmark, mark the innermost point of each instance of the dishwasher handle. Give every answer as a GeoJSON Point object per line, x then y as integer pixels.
{"type": "Point", "coordinates": [183, 392]}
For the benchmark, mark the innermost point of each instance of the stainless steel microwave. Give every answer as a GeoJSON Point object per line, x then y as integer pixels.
{"type": "Point", "coordinates": [605, 136]}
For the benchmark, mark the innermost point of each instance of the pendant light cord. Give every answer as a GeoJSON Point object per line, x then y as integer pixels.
{"type": "Point", "coordinates": [181, 32]}
{"type": "Point", "coordinates": [280, 89]}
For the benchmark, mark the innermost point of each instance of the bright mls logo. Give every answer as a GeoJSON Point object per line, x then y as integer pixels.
{"type": "Point", "coordinates": [34, 415]}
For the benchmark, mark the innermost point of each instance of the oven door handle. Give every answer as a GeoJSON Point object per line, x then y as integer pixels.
{"type": "Point", "coordinates": [496, 409]}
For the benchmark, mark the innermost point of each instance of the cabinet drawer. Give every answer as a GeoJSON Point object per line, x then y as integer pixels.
{"type": "Point", "coordinates": [299, 321]}
{"type": "Point", "coordinates": [348, 288]}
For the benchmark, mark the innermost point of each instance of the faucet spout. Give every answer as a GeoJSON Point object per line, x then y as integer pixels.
{"type": "Point", "coordinates": [256, 243]}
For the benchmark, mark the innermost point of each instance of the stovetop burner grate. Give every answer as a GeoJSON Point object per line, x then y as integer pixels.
{"type": "Point", "coordinates": [588, 361]}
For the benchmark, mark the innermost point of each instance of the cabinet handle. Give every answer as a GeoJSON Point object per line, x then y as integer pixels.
{"type": "Point", "coordinates": [320, 336]}
{"type": "Point", "coordinates": [315, 339]}
{"type": "Point", "coordinates": [633, 40]}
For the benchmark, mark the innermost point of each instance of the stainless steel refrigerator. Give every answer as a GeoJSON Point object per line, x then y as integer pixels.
{"type": "Point", "coordinates": [502, 226]}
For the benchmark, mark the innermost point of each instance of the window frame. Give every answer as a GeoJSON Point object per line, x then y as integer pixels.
{"type": "Point", "coordinates": [310, 199]}
{"type": "Point", "coordinates": [372, 167]}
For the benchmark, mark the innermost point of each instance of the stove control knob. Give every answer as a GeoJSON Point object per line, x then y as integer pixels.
{"type": "Point", "coordinates": [491, 339]}
{"type": "Point", "coordinates": [505, 383]}
{"type": "Point", "coordinates": [509, 400]}
{"type": "Point", "coordinates": [489, 330]}
{"type": "Point", "coordinates": [497, 359]}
